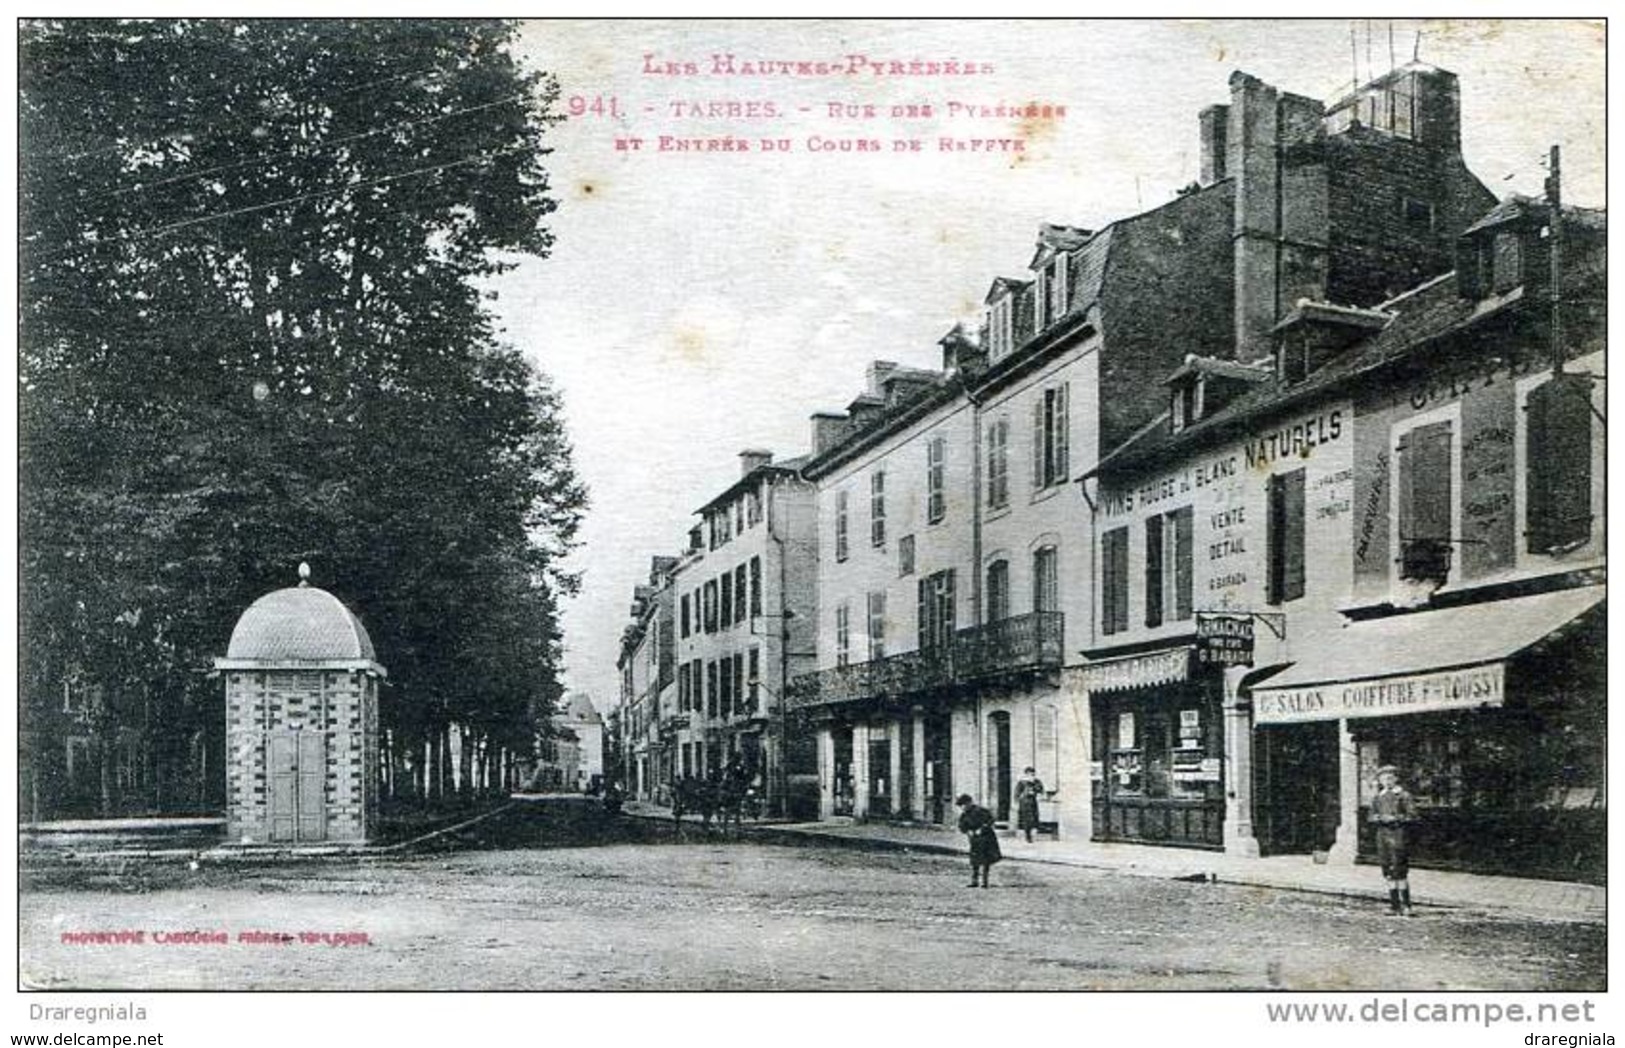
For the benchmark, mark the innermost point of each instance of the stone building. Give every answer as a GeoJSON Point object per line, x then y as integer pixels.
{"type": "Point", "coordinates": [580, 718]}
{"type": "Point", "coordinates": [302, 753]}
{"type": "Point", "coordinates": [746, 619]}
{"type": "Point", "coordinates": [647, 666]}
{"type": "Point", "coordinates": [1381, 543]}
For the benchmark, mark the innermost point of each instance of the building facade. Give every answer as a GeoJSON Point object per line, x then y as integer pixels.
{"type": "Point", "coordinates": [580, 717]}
{"type": "Point", "coordinates": [1380, 545]}
{"type": "Point", "coordinates": [746, 614]}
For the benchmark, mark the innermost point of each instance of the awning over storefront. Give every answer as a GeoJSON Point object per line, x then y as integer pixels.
{"type": "Point", "coordinates": [1453, 658]}
{"type": "Point", "coordinates": [1167, 666]}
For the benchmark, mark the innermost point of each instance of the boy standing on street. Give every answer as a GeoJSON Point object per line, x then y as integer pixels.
{"type": "Point", "coordinates": [1392, 812]}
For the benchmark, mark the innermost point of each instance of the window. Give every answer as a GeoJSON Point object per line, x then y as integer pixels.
{"type": "Point", "coordinates": [1050, 437]}
{"type": "Point", "coordinates": [1187, 403]}
{"type": "Point", "coordinates": [840, 525]}
{"type": "Point", "coordinates": [711, 606]}
{"type": "Point", "coordinates": [1284, 538]}
{"type": "Point", "coordinates": [696, 685]}
{"type": "Point", "coordinates": [685, 617]}
{"type": "Point", "coordinates": [682, 687]}
{"type": "Point", "coordinates": [877, 625]}
{"type": "Point", "coordinates": [1557, 464]}
{"type": "Point", "coordinates": [1056, 286]}
{"type": "Point", "coordinates": [1046, 580]}
{"type": "Point", "coordinates": [1506, 267]}
{"type": "Point", "coordinates": [753, 679]}
{"type": "Point", "coordinates": [756, 587]}
{"type": "Point", "coordinates": [1114, 581]}
{"type": "Point", "coordinates": [877, 508]}
{"type": "Point", "coordinates": [739, 516]}
{"type": "Point", "coordinates": [998, 591]}
{"type": "Point", "coordinates": [843, 634]}
{"type": "Point", "coordinates": [936, 454]}
{"type": "Point", "coordinates": [753, 508]}
{"type": "Point", "coordinates": [725, 701]}
{"type": "Point", "coordinates": [739, 682]}
{"type": "Point", "coordinates": [998, 464]}
{"type": "Point", "coordinates": [711, 689]}
{"type": "Point", "coordinates": [936, 610]}
{"type": "Point", "coordinates": [1418, 214]}
{"type": "Point", "coordinates": [1153, 571]}
{"type": "Point", "coordinates": [905, 556]}
{"type": "Point", "coordinates": [1424, 500]}
{"type": "Point", "coordinates": [741, 594]}
{"type": "Point", "coordinates": [1168, 568]}
{"type": "Point", "coordinates": [1000, 330]}
{"type": "Point", "coordinates": [727, 612]}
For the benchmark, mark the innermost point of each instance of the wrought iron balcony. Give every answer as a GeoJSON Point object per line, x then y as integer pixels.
{"type": "Point", "coordinates": [1021, 643]}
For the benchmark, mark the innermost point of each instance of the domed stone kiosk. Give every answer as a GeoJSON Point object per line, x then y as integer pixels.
{"type": "Point", "coordinates": [301, 721]}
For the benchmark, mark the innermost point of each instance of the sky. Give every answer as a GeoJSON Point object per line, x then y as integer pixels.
{"type": "Point", "coordinates": [699, 303]}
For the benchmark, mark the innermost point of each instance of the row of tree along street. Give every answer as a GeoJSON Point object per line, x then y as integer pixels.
{"type": "Point", "coordinates": [252, 333]}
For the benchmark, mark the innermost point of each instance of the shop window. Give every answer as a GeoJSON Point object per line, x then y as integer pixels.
{"type": "Point", "coordinates": [1425, 498]}
{"type": "Point", "coordinates": [998, 464]}
{"type": "Point", "coordinates": [1285, 529]}
{"type": "Point", "coordinates": [905, 556]}
{"type": "Point", "coordinates": [998, 591]}
{"type": "Point", "coordinates": [840, 524]}
{"type": "Point", "coordinates": [1050, 437]}
{"type": "Point", "coordinates": [877, 625]}
{"type": "Point", "coordinates": [1114, 581]}
{"type": "Point", "coordinates": [755, 587]}
{"type": "Point", "coordinates": [843, 634]}
{"type": "Point", "coordinates": [936, 610]}
{"type": "Point", "coordinates": [936, 454]}
{"type": "Point", "coordinates": [1046, 580]}
{"type": "Point", "coordinates": [1127, 762]}
{"type": "Point", "coordinates": [1557, 457]}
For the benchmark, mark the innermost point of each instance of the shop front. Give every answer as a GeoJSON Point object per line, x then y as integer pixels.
{"type": "Point", "coordinates": [1494, 713]}
{"type": "Point", "coordinates": [1158, 759]}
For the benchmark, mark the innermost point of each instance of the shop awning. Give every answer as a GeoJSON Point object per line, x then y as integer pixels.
{"type": "Point", "coordinates": [1453, 658]}
{"type": "Point", "coordinates": [1138, 671]}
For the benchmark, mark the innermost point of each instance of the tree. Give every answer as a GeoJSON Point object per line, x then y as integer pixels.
{"type": "Point", "coordinates": [252, 333]}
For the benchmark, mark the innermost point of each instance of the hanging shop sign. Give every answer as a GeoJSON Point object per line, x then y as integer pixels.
{"type": "Point", "coordinates": [1420, 693]}
{"type": "Point", "coordinates": [1224, 640]}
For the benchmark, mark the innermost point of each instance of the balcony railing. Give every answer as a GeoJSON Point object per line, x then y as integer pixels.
{"type": "Point", "coordinates": [1021, 643]}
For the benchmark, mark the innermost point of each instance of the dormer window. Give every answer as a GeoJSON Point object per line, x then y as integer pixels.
{"type": "Point", "coordinates": [1055, 288]}
{"type": "Point", "coordinates": [1292, 358]}
{"type": "Point", "coordinates": [1000, 328]}
{"type": "Point", "coordinates": [1186, 408]}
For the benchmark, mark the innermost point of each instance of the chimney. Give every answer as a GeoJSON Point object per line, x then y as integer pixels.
{"type": "Point", "coordinates": [1251, 158]}
{"type": "Point", "coordinates": [961, 351]}
{"type": "Point", "coordinates": [828, 427]}
{"type": "Point", "coordinates": [1214, 122]}
{"type": "Point", "coordinates": [864, 409]}
{"type": "Point", "coordinates": [877, 376]}
{"type": "Point", "coordinates": [753, 459]}
{"type": "Point", "coordinates": [1438, 110]}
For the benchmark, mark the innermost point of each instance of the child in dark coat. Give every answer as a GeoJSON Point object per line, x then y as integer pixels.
{"type": "Point", "coordinates": [1392, 812]}
{"type": "Point", "coordinates": [976, 823]}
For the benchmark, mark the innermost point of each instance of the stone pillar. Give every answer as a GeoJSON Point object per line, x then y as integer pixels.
{"type": "Point", "coordinates": [1238, 773]}
{"type": "Point", "coordinates": [826, 772]}
{"type": "Point", "coordinates": [894, 731]}
{"type": "Point", "coordinates": [917, 792]}
{"type": "Point", "coordinates": [860, 771]}
{"type": "Point", "coordinates": [1347, 841]}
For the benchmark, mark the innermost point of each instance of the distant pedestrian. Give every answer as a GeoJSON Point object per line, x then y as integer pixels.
{"type": "Point", "coordinates": [1029, 788]}
{"type": "Point", "coordinates": [1392, 813]}
{"type": "Point", "coordinates": [976, 823]}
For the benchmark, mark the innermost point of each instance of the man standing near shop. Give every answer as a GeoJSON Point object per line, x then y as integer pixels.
{"type": "Point", "coordinates": [1392, 812]}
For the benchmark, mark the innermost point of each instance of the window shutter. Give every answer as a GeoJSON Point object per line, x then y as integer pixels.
{"type": "Point", "coordinates": [922, 615]}
{"type": "Point", "coordinates": [1558, 463]}
{"type": "Point", "coordinates": [1274, 572]}
{"type": "Point", "coordinates": [1062, 435]}
{"type": "Point", "coordinates": [1038, 442]}
{"type": "Point", "coordinates": [1046, 748]}
{"type": "Point", "coordinates": [1292, 566]}
{"type": "Point", "coordinates": [1183, 554]}
{"type": "Point", "coordinates": [1153, 571]}
{"type": "Point", "coordinates": [948, 610]}
{"type": "Point", "coordinates": [1425, 497]}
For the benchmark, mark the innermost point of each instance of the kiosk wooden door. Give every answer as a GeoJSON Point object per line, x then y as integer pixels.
{"type": "Point", "coordinates": [298, 761]}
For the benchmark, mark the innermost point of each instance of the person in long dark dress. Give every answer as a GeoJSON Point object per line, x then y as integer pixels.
{"type": "Point", "coordinates": [976, 823]}
{"type": "Point", "coordinates": [1029, 788]}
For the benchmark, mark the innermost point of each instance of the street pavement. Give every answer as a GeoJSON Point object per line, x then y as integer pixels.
{"type": "Point", "coordinates": [533, 901]}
